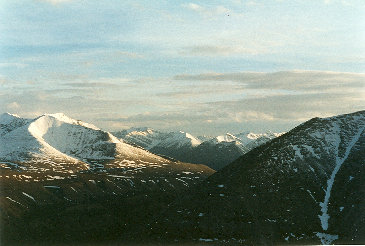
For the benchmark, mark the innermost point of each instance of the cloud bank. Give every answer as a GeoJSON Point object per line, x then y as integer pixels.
{"type": "Point", "coordinates": [200, 103]}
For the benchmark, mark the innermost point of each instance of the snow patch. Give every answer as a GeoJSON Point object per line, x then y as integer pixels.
{"type": "Point", "coordinates": [310, 150]}
{"type": "Point", "coordinates": [206, 240]}
{"type": "Point", "coordinates": [14, 201]}
{"type": "Point", "coordinates": [325, 238]}
{"type": "Point", "coordinates": [118, 176]}
{"type": "Point", "coordinates": [226, 138]}
{"type": "Point", "coordinates": [29, 196]}
{"type": "Point", "coordinates": [310, 193]}
{"type": "Point", "coordinates": [297, 151]}
{"type": "Point", "coordinates": [52, 186]}
{"type": "Point", "coordinates": [54, 177]}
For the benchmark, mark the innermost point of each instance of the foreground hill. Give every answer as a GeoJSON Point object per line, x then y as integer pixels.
{"type": "Point", "coordinates": [306, 186]}
{"type": "Point", "coordinates": [63, 180]}
{"type": "Point", "coordinates": [214, 152]}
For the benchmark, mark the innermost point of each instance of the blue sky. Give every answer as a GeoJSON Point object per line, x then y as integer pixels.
{"type": "Point", "coordinates": [199, 66]}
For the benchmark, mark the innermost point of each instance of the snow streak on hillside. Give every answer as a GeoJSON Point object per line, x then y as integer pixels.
{"type": "Point", "coordinates": [324, 218]}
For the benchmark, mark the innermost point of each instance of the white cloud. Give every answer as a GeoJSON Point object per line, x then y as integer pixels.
{"type": "Point", "coordinates": [222, 50]}
{"type": "Point", "coordinates": [194, 7]}
{"type": "Point", "coordinates": [12, 64]}
{"type": "Point", "coordinates": [347, 3]}
{"type": "Point", "coordinates": [249, 115]}
{"type": "Point", "coordinates": [202, 104]}
{"type": "Point", "coordinates": [252, 3]}
{"type": "Point", "coordinates": [294, 81]}
{"type": "Point", "coordinates": [55, 2]}
{"type": "Point", "coordinates": [209, 11]}
{"type": "Point", "coordinates": [88, 57]}
{"type": "Point", "coordinates": [2, 80]}
{"type": "Point", "coordinates": [13, 106]}
{"type": "Point", "coordinates": [289, 96]}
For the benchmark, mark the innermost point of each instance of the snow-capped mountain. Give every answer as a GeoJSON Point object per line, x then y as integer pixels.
{"type": "Point", "coordinates": [144, 137]}
{"type": "Point", "coordinates": [224, 138]}
{"type": "Point", "coordinates": [179, 139]}
{"type": "Point", "coordinates": [58, 136]}
{"type": "Point", "coordinates": [247, 138]}
{"type": "Point", "coordinates": [149, 138]}
{"type": "Point", "coordinates": [60, 177]}
{"type": "Point", "coordinates": [304, 187]}
{"type": "Point", "coordinates": [214, 152]}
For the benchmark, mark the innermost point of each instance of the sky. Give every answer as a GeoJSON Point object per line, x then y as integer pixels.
{"type": "Point", "coordinates": [204, 67]}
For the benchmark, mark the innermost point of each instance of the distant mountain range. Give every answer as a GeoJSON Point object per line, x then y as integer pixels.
{"type": "Point", "coordinates": [215, 152]}
{"type": "Point", "coordinates": [66, 182]}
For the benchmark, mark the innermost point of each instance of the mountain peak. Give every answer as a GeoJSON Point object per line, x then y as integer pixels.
{"type": "Point", "coordinates": [64, 118]}
{"type": "Point", "coordinates": [7, 117]}
{"type": "Point", "coordinates": [228, 137]}
{"type": "Point", "coordinates": [141, 130]}
{"type": "Point", "coordinates": [62, 137]}
{"type": "Point", "coordinates": [182, 138]}
{"type": "Point", "coordinates": [10, 114]}
{"type": "Point", "coordinates": [60, 116]}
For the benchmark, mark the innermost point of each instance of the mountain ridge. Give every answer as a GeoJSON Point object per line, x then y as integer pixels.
{"type": "Point", "coordinates": [304, 187]}
{"type": "Point", "coordinates": [215, 152]}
